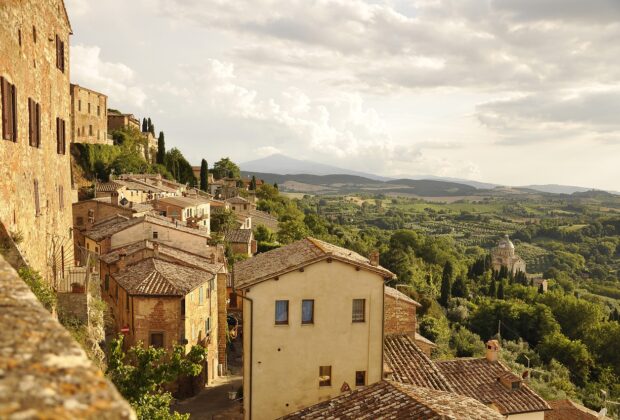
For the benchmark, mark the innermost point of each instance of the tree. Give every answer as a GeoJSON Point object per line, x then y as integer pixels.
{"type": "Point", "coordinates": [161, 149]}
{"type": "Point", "coordinates": [572, 354]}
{"type": "Point", "coordinates": [179, 167]}
{"type": "Point", "coordinates": [492, 288]}
{"type": "Point", "coordinates": [145, 126]}
{"type": "Point", "coordinates": [292, 230]}
{"type": "Point", "coordinates": [253, 183]}
{"type": "Point", "coordinates": [226, 168]}
{"type": "Point", "coordinates": [263, 234]}
{"type": "Point", "coordinates": [500, 289]}
{"type": "Point", "coordinates": [459, 288]}
{"type": "Point", "coordinates": [446, 283]}
{"type": "Point", "coordinates": [204, 175]}
{"type": "Point", "coordinates": [150, 127]}
{"type": "Point", "coordinates": [223, 222]}
{"type": "Point", "coordinates": [275, 185]}
{"type": "Point", "coordinates": [141, 375]}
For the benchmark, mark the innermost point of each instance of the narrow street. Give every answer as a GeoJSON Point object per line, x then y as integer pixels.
{"type": "Point", "coordinates": [213, 402]}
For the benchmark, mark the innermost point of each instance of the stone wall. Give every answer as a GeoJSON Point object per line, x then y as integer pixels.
{"type": "Point", "coordinates": [43, 372]}
{"type": "Point", "coordinates": [89, 116]}
{"type": "Point", "coordinates": [28, 57]}
{"type": "Point", "coordinates": [74, 305]}
{"type": "Point", "coordinates": [400, 316]}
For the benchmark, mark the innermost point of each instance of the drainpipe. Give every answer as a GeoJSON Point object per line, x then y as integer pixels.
{"type": "Point", "coordinates": [234, 296]}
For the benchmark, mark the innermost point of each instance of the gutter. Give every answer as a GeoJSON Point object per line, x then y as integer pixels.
{"type": "Point", "coordinates": [234, 295]}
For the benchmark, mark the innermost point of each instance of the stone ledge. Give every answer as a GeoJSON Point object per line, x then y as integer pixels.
{"type": "Point", "coordinates": [44, 373]}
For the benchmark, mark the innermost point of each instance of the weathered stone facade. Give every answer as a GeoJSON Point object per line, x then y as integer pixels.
{"type": "Point", "coordinates": [44, 373]}
{"type": "Point", "coordinates": [89, 116]}
{"type": "Point", "coordinates": [35, 180]}
{"type": "Point", "coordinates": [400, 313]}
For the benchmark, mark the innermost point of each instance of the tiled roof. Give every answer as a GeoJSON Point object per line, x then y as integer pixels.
{"type": "Point", "coordinates": [479, 378]}
{"type": "Point", "coordinates": [398, 295]}
{"type": "Point", "coordinates": [239, 236]}
{"type": "Point", "coordinates": [108, 227]}
{"type": "Point", "coordinates": [108, 187]}
{"type": "Point", "coordinates": [390, 400]}
{"type": "Point", "coordinates": [423, 339]}
{"type": "Point", "coordinates": [237, 200]}
{"type": "Point", "coordinates": [296, 255]}
{"type": "Point", "coordinates": [409, 364]}
{"type": "Point", "coordinates": [179, 255]}
{"type": "Point", "coordinates": [568, 410]}
{"type": "Point", "coordinates": [156, 277]}
{"type": "Point", "coordinates": [183, 201]}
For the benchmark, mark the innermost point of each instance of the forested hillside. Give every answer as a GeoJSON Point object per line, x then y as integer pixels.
{"type": "Point", "coordinates": [568, 336]}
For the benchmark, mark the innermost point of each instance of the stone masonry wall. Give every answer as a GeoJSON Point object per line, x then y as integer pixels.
{"type": "Point", "coordinates": [400, 316]}
{"type": "Point", "coordinates": [43, 372]}
{"type": "Point", "coordinates": [89, 109]}
{"type": "Point", "coordinates": [46, 240]}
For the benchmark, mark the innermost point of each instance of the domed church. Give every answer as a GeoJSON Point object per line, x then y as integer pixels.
{"type": "Point", "coordinates": [504, 255]}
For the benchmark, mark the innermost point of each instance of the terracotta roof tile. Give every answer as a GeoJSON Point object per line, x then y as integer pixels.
{"type": "Point", "coordinates": [183, 201]}
{"type": "Point", "coordinates": [108, 227]}
{"type": "Point", "coordinates": [398, 295]}
{"type": "Point", "coordinates": [298, 254]}
{"type": "Point", "coordinates": [390, 400]}
{"type": "Point", "coordinates": [237, 200]}
{"type": "Point", "coordinates": [239, 236]}
{"type": "Point", "coordinates": [568, 410]}
{"type": "Point", "coordinates": [160, 278]}
{"type": "Point", "coordinates": [409, 364]}
{"type": "Point", "coordinates": [479, 378]}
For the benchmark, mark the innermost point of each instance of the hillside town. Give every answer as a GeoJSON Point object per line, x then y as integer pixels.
{"type": "Point", "coordinates": [193, 291]}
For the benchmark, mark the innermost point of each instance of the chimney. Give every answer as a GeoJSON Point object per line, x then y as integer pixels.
{"type": "Point", "coordinates": [155, 249]}
{"type": "Point", "coordinates": [374, 258]}
{"type": "Point", "coordinates": [114, 198]}
{"type": "Point", "coordinates": [492, 350]}
{"type": "Point", "coordinates": [121, 264]}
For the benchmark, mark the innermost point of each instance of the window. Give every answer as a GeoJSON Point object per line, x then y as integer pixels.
{"type": "Point", "coordinates": [79, 104]}
{"type": "Point", "coordinates": [9, 110]}
{"type": "Point", "coordinates": [233, 300]}
{"type": "Point", "coordinates": [60, 136]}
{"type": "Point", "coordinates": [155, 235]}
{"type": "Point", "coordinates": [157, 340]}
{"type": "Point", "coordinates": [208, 326]}
{"type": "Point", "coordinates": [200, 296]}
{"type": "Point", "coordinates": [307, 311]}
{"type": "Point", "coordinates": [60, 54]}
{"type": "Point", "coordinates": [183, 307]}
{"type": "Point", "coordinates": [360, 378]}
{"type": "Point", "coordinates": [61, 197]}
{"type": "Point", "coordinates": [34, 126]}
{"type": "Point", "coordinates": [107, 282]}
{"type": "Point", "coordinates": [37, 200]}
{"type": "Point", "coordinates": [281, 312]}
{"type": "Point", "coordinates": [90, 127]}
{"type": "Point", "coordinates": [19, 37]}
{"type": "Point", "coordinates": [34, 34]}
{"type": "Point", "coordinates": [359, 310]}
{"type": "Point", "coordinates": [89, 111]}
{"type": "Point", "coordinates": [325, 376]}
{"type": "Point", "coordinates": [98, 110]}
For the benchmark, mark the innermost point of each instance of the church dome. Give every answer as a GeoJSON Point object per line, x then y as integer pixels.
{"type": "Point", "coordinates": [506, 243]}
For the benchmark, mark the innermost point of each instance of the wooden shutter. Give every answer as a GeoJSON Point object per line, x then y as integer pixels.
{"type": "Point", "coordinates": [31, 115]}
{"type": "Point", "coordinates": [64, 143]}
{"type": "Point", "coordinates": [37, 203]}
{"type": "Point", "coordinates": [57, 51]}
{"type": "Point", "coordinates": [57, 135]}
{"type": "Point", "coordinates": [62, 56]}
{"type": "Point", "coordinates": [5, 108]}
{"type": "Point", "coordinates": [14, 113]}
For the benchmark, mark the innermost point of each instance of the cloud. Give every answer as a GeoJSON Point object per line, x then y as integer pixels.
{"type": "Point", "coordinates": [116, 80]}
{"type": "Point", "coordinates": [77, 8]}
{"type": "Point", "coordinates": [556, 115]}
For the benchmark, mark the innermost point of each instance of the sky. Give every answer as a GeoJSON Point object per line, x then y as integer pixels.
{"type": "Point", "coordinates": [513, 92]}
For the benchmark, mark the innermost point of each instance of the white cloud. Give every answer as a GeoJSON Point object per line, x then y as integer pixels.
{"type": "Point", "coordinates": [77, 8]}
{"type": "Point", "coordinates": [116, 80]}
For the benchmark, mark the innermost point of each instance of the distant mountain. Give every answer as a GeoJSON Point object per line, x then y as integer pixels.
{"type": "Point", "coordinates": [283, 165]}
{"type": "Point", "coordinates": [557, 189]}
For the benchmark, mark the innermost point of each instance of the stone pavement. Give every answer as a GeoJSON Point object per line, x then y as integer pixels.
{"type": "Point", "coordinates": [212, 403]}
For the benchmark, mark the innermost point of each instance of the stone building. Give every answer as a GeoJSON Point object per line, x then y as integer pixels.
{"type": "Point", "coordinates": [35, 105]}
{"type": "Point", "coordinates": [314, 302]}
{"type": "Point", "coordinates": [118, 121]}
{"type": "Point", "coordinates": [504, 255]}
{"type": "Point", "coordinates": [194, 210]}
{"type": "Point", "coordinates": [241, 241]}
{"type": "Point", "coordinates": [89, 116]}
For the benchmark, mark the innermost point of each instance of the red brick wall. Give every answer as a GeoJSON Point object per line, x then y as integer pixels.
{"type": "Point", "coordinates": [400, 316]}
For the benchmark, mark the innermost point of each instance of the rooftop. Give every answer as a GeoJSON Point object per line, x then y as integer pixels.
{"type": "Point", "coordinates": [183, 202]}
{"type": "Point", "coordinates": [156, 277]}
{"type": "Point", "coordinates": [296, 255]}
{"type": "Point", "coordinates": [390, 400]}
{"type": "Point", "coordinates": [108, 227]}
{"type": "Point", "coordinates": [479, 378]}
{"type": "Point", "coordinates": [409, 364]}
{"type": "Point", "coordinates": [237, 200]}
{"type": "Point", "coordinates": [568, 410]}
{"type": "Point", "coordinates": [239, 236]}
{"type": "Point", "coordinates": [398, 295]}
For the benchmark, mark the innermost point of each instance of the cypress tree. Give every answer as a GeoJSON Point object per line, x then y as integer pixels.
{"type": "Point", "coordinates": [459, 288]}
{"type": "Point", "coordinates": [161, 148]}
{"type": "Point", "coordinates": [275, 185]}
{"type": "Point", "coordinates": [446, 284]}
{"type": "Point", "coordinates": [253, 183]}
{"type": "Point", "coordinates": [204, 177]}
{"type": "Point", "coordinates": [492, 288]}
{"type": "Point", "coordinates": [500, 290]}
{"type": "Point", "coordinates": [145, 126]}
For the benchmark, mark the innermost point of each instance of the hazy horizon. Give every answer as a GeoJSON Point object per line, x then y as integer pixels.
{"type": "Point", "coordinates": [500, 91]}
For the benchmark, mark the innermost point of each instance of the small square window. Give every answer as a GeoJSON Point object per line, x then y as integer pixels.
{"type": "Point", "coordinates": [157, 340]}
{"type": "Point", "coordinates": [325, 376]}
{"type": "Point", "coordinates": [307, 311]}
{"type": "Point", "coordinates": [360, 378]}
{"type": "Point", "coordinates": [359, 310]}
{"type": "Point", "coordinates": [155, 234]}
{"type": "Point", "coordinates": [281, 312]}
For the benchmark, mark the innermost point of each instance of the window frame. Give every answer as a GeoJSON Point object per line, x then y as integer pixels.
{"type": "Point", "coordinates": [163, 339]}
{"type": "Point", "coordinates": [363, 373]}
{"type": "Point", "coordinates": [282, 322]}
{"type": "Point", "coordinates": [322, 381]}
{"type": "Point", "coordinates": [353, 311]}
{"type": "Point", "coordinates": [8, 96]}
{"type": "Point", "coordinates": [311, 320]}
